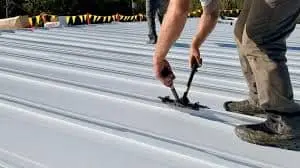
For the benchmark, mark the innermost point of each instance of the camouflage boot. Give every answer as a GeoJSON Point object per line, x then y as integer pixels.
{"type": "Point", "coordinates": [244, 107]}
{"type": "Point", "coordinates": [279, 130]}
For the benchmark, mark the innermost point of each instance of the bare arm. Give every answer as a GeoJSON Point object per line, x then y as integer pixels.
{"type": "Point", "coordinates": [171, 28]}
{"type": "Point", "coordinates": [207, 23]}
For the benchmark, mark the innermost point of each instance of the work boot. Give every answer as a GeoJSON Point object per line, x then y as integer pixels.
{"type": "Point", "coordinates": [244, 107]}
{"type": "Point", "coordinates": [279, 130]}
{"type": "Point", "coordinates": [152, 39]}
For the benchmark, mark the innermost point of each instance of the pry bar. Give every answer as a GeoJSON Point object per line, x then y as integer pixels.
{"type": "Point", "coordinates": [184, 98]}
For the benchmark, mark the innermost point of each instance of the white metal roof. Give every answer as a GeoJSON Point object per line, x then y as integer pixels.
{"type": "Point", "coordinates": [86, 97]}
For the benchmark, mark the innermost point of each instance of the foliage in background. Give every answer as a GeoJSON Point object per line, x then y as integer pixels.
{"type": "Point", "coordinates": [231, 4]}
{"type": "Point", "coordinates": [224, 4]}
{"type": "Point", "coordinates": [98, 7]}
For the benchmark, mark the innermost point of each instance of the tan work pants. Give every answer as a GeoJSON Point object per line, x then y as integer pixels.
{"type": "Point", "coordinates": [261, 31]}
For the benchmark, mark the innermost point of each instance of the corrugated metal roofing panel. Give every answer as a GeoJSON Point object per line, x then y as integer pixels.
{"type": "Point", "coordinates": [86, 96]}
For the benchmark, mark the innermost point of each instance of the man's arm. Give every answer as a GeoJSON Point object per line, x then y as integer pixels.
{"type": "Point", "coordinates": [171, 28]}
{"type": "Point", "coordinates": [173, 24]}
{"type": "Point", "coordinates": [207, 22]}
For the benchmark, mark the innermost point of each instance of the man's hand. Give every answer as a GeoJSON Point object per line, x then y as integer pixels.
{"type": "Point", "coordinates": [194, 57]}
{"type": "Point", "coordinates": [163, 72]}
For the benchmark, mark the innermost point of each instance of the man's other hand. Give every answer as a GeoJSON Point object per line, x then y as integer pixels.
{"type": "Point", "coordinates": [163, 72]}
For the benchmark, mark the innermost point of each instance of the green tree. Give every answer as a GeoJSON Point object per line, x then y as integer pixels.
{"type": "Point", "coordinates": [196, 5]}
{"type": "Point", "coordinates": [98, 7]}
{"type": "Point", "coordinates": [231, 4]}
{"type": "Point", "coordinates": [35, 7]}
{"type": "Point", "coordinates": [141, 6]}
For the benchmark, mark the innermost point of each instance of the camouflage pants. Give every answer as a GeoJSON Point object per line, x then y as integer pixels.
{"type": "Point", "coordinates": [154, 7]}
{"type": "Point", "coordinates": [260, 33]}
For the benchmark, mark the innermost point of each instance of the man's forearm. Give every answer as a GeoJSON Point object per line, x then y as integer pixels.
{"type": "Point", "coordinates": [171, 28]}
{"type": "Point", "coordinates": [207, 23]}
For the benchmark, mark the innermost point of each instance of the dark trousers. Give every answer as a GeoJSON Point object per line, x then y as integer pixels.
{"type": "Point", "coordinates": [154, 7]}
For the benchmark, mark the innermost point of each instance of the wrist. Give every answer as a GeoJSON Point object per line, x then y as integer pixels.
{"type": "Point", "coordinates": [196, 42]}
{"type": "Point", "coordinates": [157, 60]}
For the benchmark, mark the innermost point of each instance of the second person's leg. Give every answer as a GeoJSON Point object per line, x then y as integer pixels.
{"type": "Point", "coordinates": [269, 23]}
{"type": "Point", "coordinates": [249, 106]}
{"type": "Point", "coordinates": [150, 14]}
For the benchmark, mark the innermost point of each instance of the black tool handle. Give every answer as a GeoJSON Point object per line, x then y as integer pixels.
{"type": "Point", "coordinates": [194, 70]}
{"type": "Point", "coordinates": [175, 93]}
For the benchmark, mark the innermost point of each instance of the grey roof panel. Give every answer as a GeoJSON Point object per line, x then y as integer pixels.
{"type": "Point", "coordinates": [86, 96]}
